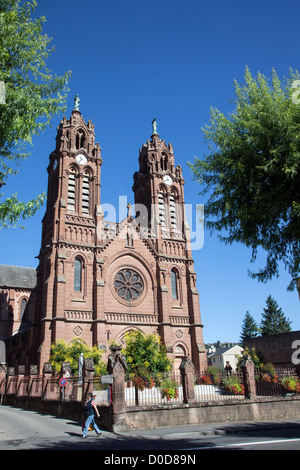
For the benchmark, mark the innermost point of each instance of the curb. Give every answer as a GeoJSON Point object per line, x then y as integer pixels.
{"type": "Point", "coordinates": [244, 428]}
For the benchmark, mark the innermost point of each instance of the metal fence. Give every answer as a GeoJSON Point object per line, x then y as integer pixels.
{"type": "Point", "coordinates": [280, 382]}
{"type": "Point", "coordinates": [155, 390]}
{"type": "Point", "coordinates": [167, 388]}
{"type": "Point", "coordinates": [219, 386]}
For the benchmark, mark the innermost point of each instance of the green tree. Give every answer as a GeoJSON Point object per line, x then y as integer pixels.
{"type": "Point", "coordinates": [63, 352]}
{"type": "Point", "coordinates": [146, 352]}
{"type": "Point", "coordinates": [249, 328]}
{"type": "Point", "coordinates": [273, 319]}
{"type": "Point", "coordinates": [252, 172]}
{"type": "Point", "coordinates": [32, 96]}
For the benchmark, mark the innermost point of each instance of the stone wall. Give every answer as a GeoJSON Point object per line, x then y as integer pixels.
{"type": "Point", "coordinates": [277, 349]}
{"type": "Point", "coordinates": [248, 411]}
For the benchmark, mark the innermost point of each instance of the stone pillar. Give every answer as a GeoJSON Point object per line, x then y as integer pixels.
{"type": "Point", "coordinates": [21, 387]}
{"type": "Point", "coordinates": [187, 371]}
{"type": "Point", "coordinates": [88, 376]}
{"type": "Point", "coordinates": [47, 384]}
{"type": "Point", "coordinates": [117, 366]}
{"type": "Point", "coordinates": [3, 372]}
{"type": "Point", "coordinates": [66, 370]}
{"type": "Point", "coordinates": [248, 371]}
{"type": "Point", "coordinates": [34, 387]}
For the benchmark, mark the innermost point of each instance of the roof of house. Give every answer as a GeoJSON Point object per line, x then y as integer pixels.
{"type": "Point", "coordinates": [220, 351]}
{"type": "Point", "coordinates": [17, 277]}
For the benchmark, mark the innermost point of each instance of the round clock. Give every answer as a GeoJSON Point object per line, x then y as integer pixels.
{"type": "Point", "coordinates": [81, 159]}
{"type": "Point", "coordinates": [167, 179]}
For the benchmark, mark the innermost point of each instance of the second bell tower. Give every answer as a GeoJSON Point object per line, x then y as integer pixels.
{"type": "Point", "coordinates": [69, 234]}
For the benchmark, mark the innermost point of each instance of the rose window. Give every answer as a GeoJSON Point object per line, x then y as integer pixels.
{"type": "Point", "coordinates": [128, 284]}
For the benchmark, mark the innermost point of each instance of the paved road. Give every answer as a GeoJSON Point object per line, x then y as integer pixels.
{"type": "Point", "coordinates": [28, 430]}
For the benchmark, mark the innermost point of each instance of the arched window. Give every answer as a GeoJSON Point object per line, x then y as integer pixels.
{"type": "Point", "coordinates": [78, 275]}
{"type": "Point", "coordinates": [173, 214]}
{"type": "Point", "coordinates": [85, 204]}
{"type": "Point", "coordinates": [80, 140]}
{"type": "Point", "coordinates": [174, 284]}
{"type": "Point", "coordinates": [71, 190]}
{"type": "Point", "coordinates": [23, 308]}
{"type": "Point", "coordinates": [161, 208]}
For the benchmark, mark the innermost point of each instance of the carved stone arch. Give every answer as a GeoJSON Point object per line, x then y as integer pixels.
{"type": "Point", "coordinates": [120, 339]}
{"type": "Point", "coordinates": [162, 189]}
{"type": "Point", "coordinates": [180, 350]}
{"type": "Point", "coordinates": [174, 191]}
{"type": "Point", "coordinates": [88, 171]}
{"type": "Point", "coordinates": [175, 267]}
{"type": "Point", "coordinates": [80, 138]}
{"type": "Point", "coordinates": [23, 307]}
{"type": "Point", "coordinates": [175, 279]}
{"type": "Point", "coordinates": [73, 168]}
{"type": "Point", "coordinates": [137, 257]}
{"type": "Point", "coordinates": [79, 254]}
{"type": "Point", "coordinates": [164, 160]}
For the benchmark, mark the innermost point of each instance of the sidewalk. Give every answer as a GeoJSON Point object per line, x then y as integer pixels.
{"type": "Point", "coordinates": [197, 430]}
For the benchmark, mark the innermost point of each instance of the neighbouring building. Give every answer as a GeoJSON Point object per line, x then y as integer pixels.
{"type": "Point", "coordinates": [98, 279]}
{"type": "Point", "coordinates": [220, 356]}
{"type": "Point", "coordinates": [282, 350]}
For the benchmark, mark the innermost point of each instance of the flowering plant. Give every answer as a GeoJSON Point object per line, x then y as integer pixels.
{"type": "Point", "coordinates": [141, 383]}
{"type": "Point", "coordinates": [205, 379]}
{"type": "Point", "coordinates": [269, 378]}
{"type": "Point", "coordinates": [291, 384]}
{"type": "Point", "coordinates": [169, 389]}
{"type": "Point", "coordinates": [233, 385]}
{"type": "Point", "coordinates": [268, 373]}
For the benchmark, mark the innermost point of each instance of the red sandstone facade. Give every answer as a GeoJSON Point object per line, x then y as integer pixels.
{"type": "Point", "coordinates": [98, 279]}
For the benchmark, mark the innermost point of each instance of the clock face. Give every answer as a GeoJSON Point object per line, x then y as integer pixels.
{"type": "Point", "coordinates": [168, 179]}
{"type": "Point", "coordinates": [81, 159]}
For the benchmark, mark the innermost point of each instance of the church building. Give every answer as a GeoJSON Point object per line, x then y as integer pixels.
{"type": "Point", "coordinates": [98, 279]}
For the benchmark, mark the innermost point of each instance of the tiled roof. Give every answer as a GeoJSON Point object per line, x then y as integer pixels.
{"type": "Point", "coordinates": [17, 277]}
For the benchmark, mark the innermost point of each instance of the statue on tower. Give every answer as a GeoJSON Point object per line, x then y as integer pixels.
{"type": "Point", "coordinates": [154, 126]}
{"type": "Point", "coordinates": [76, 102]}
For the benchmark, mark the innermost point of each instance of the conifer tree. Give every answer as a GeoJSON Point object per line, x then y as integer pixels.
{"type": "Point", "coordinates": [273, 319]}
{"type": "Point", "coordinates": [249, 328]}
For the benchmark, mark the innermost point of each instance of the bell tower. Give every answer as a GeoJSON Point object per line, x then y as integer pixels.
{"type": "Point", "coordinates": [160, 210]}
{"type": "Point", "coordinates": [69, 234]}
{"type": "Point", "coordinates": [158, 186]}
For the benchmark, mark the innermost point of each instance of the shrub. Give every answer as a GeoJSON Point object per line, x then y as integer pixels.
{"type": "Point", "coordinates": [205, 379]}
{"type": "Point", "coordinates": [169, 389]}
{"type": "Point", "coordinates": [290, 383]}
{"type": "Point", "coordinates": [63, 352]}
{"type": "Point", "coordinates": [233, 385]}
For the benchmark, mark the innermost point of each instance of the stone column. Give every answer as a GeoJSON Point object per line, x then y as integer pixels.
{"type": "Point", "coordinates": [34, 389]}
{"type": "Point", "coordinates": [20, 387]}
{"type": "Point", "coordinates": [66, 369]}
{"type": "Point", "coordinates": [117, 366]}
{"type": "Point", "coordinates": [11, 381]}
{"type": "Point", "coordinates": [3, 372]}
{"type": "Point", "coordinates": [47, 384]}
{"type": "Point", "coordinates": [88, 376]}
{"type": "Point", "coordinates": [187, 371]}
{"type": "Point", "coordinates": [248, 371]}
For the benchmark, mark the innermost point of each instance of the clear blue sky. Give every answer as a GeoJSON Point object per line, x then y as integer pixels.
{"type": "Point", "coordinates": [134, 60]}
